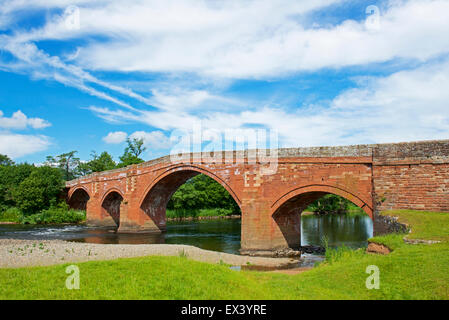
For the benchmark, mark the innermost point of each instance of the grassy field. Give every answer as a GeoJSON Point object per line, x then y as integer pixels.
{"type": "Point", "coordinates": [409, 272]}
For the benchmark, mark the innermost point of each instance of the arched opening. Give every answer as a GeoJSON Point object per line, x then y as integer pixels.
{"type": "Point", "coordinates": [197, 204]}
{"type": "Point", "coordinates": [111, 208]}
{"type": "Point", "coordinates": [314, 217]}
{"type": "Point", "coordinates": [79, 199]}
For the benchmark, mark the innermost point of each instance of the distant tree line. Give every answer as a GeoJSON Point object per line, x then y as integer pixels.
{"type": "Point", "coordinates": [72, 167]}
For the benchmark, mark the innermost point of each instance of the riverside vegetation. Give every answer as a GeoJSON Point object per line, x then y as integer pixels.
{"type": "Point", "coordinates": [410, 271]}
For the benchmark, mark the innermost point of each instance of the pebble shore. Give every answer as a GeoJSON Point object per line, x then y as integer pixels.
{"type": "Point", "coordinates": [25, 253]}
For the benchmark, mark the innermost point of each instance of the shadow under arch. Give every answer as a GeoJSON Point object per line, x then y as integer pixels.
{"type": "Point", "coordinates": [286, 211]}
{"type": "Point", "coordinates": [78, 199]}
{"type": "Point", "coordinates": [156, 196]}
{"type": "Point", "coordinates": [110, 205]}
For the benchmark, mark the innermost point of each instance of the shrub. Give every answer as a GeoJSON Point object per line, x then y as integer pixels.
{"type": "Point", "coordinates": [39, 191]}
{"type": "Point", "coordinates": [11, 215]}
{"type": "Point", "coordinates": [55, 215]}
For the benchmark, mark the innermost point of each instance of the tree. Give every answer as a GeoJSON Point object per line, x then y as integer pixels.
{"type": "Point", "coordinates": [67, 162]}
{"type": "Point", "coordinates": [132, 152]}
{"type": "Point", "coordinates": [11, 176]}
{"type": "Point", "coordinates": [330, 203]}
{"type": "Point", "coordinates": [98, 163]}
{"type": "Point", "coordinates": [202, 192]}
{"type": "Point", "coordinates": [41, 189]}
{"type": "Point", "coordinates": [5, 160]}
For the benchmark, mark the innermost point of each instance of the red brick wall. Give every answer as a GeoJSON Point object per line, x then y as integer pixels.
{"type": "Point", "coordinates": [412, 176]}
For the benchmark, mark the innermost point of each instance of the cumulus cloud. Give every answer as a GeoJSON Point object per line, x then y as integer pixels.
{"type": "Point", "coordinates": [19, 145]}
{"type": "Point", "coordinates": [19, 120]}
{"type": "Point", "coordinates": [152, 140]}
{"type": "Point", "coordinates": [115, 137]}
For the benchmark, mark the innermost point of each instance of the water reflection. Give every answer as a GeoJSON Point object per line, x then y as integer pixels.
{"type": "Point", "coordinates": [338, 229]}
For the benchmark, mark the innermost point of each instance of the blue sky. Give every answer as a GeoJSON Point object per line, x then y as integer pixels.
{"type": "Point", "coordinates": [85, 75]}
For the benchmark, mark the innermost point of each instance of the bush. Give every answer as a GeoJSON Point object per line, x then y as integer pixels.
{"type": "Point", "coordinates": [11, 215]}
{"type": "Point", "coordinates": [39, 191]}
{"type": "Point", "coordinates": [55, 215]}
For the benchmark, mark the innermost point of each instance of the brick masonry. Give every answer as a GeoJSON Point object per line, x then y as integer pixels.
{"type": "Point", "coordinates": [374, 177]}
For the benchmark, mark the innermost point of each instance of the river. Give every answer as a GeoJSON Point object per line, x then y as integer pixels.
{"type": "Point", "coordinates": [218, 235]}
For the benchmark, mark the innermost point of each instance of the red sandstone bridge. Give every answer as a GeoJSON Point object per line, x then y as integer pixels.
{"type": "Point", "coordinates": [374, 177]}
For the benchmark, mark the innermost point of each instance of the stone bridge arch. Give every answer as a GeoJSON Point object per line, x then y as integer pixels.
{"type": "Point", "coordinates": [111, 203]}
{"type": "Point", "coordinates": [78, 198]}
{"type": "Point", "coordinates": [286, 211]}
{"type": "Point", "coordinates": [154, 199]}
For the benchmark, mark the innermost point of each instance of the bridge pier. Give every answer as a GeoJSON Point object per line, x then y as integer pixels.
{"type": "Point", "coordinates": [264, 234]}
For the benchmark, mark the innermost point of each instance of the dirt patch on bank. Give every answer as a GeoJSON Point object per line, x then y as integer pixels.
{"type": "Point", "coordinates": [378, 248]}
{"type": "Point", "coordinates": [24, 253]}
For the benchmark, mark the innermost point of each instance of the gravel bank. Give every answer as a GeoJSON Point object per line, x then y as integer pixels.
{"type": "Point", "coordinates": [23, 253]}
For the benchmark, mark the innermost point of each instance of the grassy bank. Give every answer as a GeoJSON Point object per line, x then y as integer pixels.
{"type": "Point", "coordinates": [195, 213]}
{"type": "Point", "coordinates": [409, 272]}
{"type": "Point", "coordinates": [53, 215]}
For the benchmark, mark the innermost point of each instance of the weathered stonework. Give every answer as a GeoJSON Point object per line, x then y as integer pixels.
{"type": "Point", "coordinates": [374, 177]}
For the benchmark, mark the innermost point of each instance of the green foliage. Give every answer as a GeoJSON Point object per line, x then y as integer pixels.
{"type": "Point", "coordinates": [194, 213]}
{"type": "Point", "coordinates": [55, 215]}
{"type": "Point", "coordinates": [11, 215]}
{"type": "Point", "coordinates": [66, 162]}
{"type": "Point", "coordinates": [5, 160]}
{"type": "Point", "coordinates": [202, 192]}
{"type": "Point", "coordinates": [132, 152]}
{"type": "Point", "coordinates": [11, 176]}
{"type": "Point", "coordinates": [98, 163]}
{"type": "Point", "coordinates": [39, 190]}
{"type": "Point", "coordinates": [332, 203]}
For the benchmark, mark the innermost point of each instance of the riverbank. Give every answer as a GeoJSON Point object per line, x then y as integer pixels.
{"type": "Point", "coordinates": [25, 253]}
{"type": "Point", "coordinates": [410, 271]}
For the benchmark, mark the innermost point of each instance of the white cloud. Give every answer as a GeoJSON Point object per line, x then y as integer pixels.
{"type": "Point", "coordinates": [152, 140]}
{"type": "Point", "coordinates": [115, 137]}
{"type": "Point", "coordinates": [19, 145]}
{"type": "Point", "coordinates": [243, 39]}
{"type": "Point", "coordinates": [267, 38]}
{"type": "Point", "coordinates": [19, 120]}
{"type": "Point", "coordinates": [407, 105]}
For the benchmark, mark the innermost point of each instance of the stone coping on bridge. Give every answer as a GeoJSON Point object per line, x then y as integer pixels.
{"type": "Point", "coordinates": [432, 151]}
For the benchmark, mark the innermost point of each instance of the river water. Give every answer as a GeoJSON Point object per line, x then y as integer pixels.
{"type": "Point", "coordinates": [217, 235]}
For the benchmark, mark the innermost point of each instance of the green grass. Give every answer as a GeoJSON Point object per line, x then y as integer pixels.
{"type": "Point", "coordinates": [195, 213]}
{"type": "Point", "coordinates": [409, 272]}
{"type": "Point", "coordinates": [424, 225]}
{"type": "Point", "coordinates": [11, 215]}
